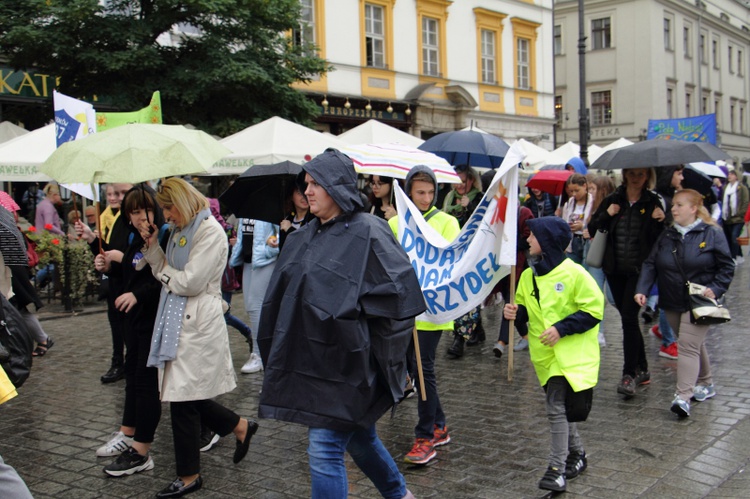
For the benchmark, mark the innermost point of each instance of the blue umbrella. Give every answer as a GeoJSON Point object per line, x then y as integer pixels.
{"type": "Point", "coordinates": [468, 147]}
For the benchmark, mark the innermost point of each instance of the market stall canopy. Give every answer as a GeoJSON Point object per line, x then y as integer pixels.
{"type": "Point", "coordinates": [272, 141]}
{"type": "Point", "coordinates": [9, 131]}
{"type": "Point", "coordinates": [20, 158]}
{"type": "Point", "coordinates": [596, 151]}
{"type": "Point", "coordinates": [375, 132]}
{"type": "Point", "coordinates": [537, 157]}
{"type": "Point", "coordinates": [568, 150]}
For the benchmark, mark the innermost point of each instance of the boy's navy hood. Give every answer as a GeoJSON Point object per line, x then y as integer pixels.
{"type": "Point", "coordinates": [334, 171]}
{"type": "Point", "coordinates": [554, 235]}
{"type": "Point", "coordinates": [417, 169]}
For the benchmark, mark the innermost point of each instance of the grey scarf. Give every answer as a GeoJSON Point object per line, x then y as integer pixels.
{"type": "Point", "coordinates": [166, 337]}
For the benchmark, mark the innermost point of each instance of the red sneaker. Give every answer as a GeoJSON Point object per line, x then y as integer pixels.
{"type": "Point", "coordinates": [440, 436]}
{"type": "Point", "coordinates": [422, 453]}
{"type": "Point", "coordinates": [655, 331]}
{"type": "Point", "coordinates": [669, 352]}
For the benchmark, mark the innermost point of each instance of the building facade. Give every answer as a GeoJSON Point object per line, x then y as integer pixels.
{"type": "Point", "coordinates": [430, 66]}
{"type": "Point", "coordinates": [654, 59]}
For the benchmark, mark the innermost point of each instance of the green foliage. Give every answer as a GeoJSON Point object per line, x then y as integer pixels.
{"type": "Point", "coordinates": [237, 72]}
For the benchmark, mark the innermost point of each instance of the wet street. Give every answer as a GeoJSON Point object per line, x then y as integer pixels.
{"type": "Point", "coordinates": [500, 435]}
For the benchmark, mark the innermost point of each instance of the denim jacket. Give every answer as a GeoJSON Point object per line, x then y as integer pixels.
{"type": "Point", "coordinates": [263, 254]}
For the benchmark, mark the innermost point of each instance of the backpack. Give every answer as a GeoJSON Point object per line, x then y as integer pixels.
{"type": "Point", "coordinates": [15, 337]}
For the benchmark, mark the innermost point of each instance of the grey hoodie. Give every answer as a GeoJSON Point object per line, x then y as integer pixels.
{"type": "Point", "coordinates": [426, 169]}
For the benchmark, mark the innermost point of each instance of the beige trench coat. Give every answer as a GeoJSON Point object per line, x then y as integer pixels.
{"type": "Point", "coordinates": [203, 367]}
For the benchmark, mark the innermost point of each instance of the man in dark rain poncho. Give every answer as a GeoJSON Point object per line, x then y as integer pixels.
{"type": "Point", "coordinates": [334, 329]}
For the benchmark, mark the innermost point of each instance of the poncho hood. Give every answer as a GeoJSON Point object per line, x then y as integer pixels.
{"type": "Point", "coordinates": [554, 235]}
{"type": "Point", "coordinates": [334, 171]}
{"type": "Point", "coordinates": [419, 169]}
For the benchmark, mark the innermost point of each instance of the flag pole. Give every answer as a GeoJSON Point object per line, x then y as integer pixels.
{"type": "Point", "coordinates": [511, 324]}
{"type": "Point", "coordinates": [420, 374]}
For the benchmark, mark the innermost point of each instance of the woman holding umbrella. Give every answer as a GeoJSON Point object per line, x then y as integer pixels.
{"type": "Point", "coordinates": [190, 345]}
{"type": "Point", "coordinates": [633, 217]}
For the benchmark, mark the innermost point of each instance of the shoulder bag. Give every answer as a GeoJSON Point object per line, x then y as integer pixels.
{"type": "Point", "coordinates": [595, 256]}
{"type": "Point", "coordinates": [703, 310]}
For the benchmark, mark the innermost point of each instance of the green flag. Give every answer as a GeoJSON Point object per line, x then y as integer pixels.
{"type": "Point", "coordinates": [150, 114]}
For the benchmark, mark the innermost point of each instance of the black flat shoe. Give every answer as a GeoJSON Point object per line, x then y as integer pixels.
{"type": "Point", "coordinates": [179, 489]}
{"type": "Point", "coordinates": [240, 450]}
{"type": "Point", "coordinates": [115, 373]}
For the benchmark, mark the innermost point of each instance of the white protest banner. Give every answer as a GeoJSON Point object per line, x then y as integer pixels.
{"type": "Point", "coordinates": [74, 119]}
{"type": "Point", "coordinates": [456, 276]}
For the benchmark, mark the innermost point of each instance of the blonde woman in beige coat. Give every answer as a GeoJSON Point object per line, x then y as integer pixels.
{"type": "Point", "coordinates": [190, 345]}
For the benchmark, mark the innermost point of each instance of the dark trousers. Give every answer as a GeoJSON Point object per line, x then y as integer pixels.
{"type": "Point", "coordinates": [732, 232]}
{"type": "Point", "coordinates": [430, 411]}
{"type": "Point", "coordinates": [186, 430]}
{"type": "Point", "coordinates": [117, 326]}
{"type": "Point", "coordinates": [142, 405]}
{"type": "Point", "coordinates": [623, 291]}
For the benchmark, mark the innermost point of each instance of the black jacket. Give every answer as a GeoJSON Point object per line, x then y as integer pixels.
{"type": "Point", "coordinates": [338, 314]}
{"type": "Point", "coordinates": [631, 233]}
{"type": "Point", "coordinates": [704, 257]}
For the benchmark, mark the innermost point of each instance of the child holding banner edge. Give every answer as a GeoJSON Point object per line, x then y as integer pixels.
{"type": "Point", "coordinates": [431, 430]}
{"type": "Point", "coordinates": [563, 306]}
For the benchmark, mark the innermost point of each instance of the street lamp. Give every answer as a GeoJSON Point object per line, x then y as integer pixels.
{"type": "Point", "coordinates": [583, 115]}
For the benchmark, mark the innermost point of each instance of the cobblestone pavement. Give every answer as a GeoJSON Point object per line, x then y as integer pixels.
{"type": "Point", "coordinates": [636, 448]}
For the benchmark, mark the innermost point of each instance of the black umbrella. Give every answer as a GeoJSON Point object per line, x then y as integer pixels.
{"type": "Point", "coordinates": [658, 152]}
{"type": "Point", "coordinates": [260, 192]}
{"type": "Point", "coordinates": [468, 147]}
{"type": "Point", "coordinates": [696, 180]}
{"type": "Point", "coordinates": [12, 244]}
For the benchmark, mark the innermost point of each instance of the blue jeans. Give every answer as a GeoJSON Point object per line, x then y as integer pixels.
{"type": "Point", "coordinates": [667, 333]}
{"type": "Point", "coordinates": [576, 249]}
{"type": "Point", "coordinates": [233, 321]}
{"type": "Point", "coordinates": [45, 274]}
{"type": "Point", "coordinates": [328, 473]}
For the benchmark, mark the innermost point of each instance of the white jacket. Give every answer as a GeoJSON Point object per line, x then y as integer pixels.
{"type": "Point", "coordinates": [203, 367]}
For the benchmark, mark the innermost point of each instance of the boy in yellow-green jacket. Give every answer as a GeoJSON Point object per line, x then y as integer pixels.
{"type": "Point", "coordinates": [563, 306]}
{"type": "Point", "coordinates": [431, 430]}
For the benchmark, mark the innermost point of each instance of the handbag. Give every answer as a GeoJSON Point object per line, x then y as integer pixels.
{"type": "Point", "coordinates": [595, 256]}
{"type": "Point", "coordinates": [704, 311]}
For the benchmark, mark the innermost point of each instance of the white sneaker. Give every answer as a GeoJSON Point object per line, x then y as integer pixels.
{"type": "Point", "coordinates": [739, 260]}
{"type": "Point", "coordinates": [118, 444]}
{"type": "Point", "coordinates": [253, 365]}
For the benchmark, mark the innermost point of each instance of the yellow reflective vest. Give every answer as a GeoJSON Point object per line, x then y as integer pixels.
{"type": "Point", "coordinates": [566, 289]}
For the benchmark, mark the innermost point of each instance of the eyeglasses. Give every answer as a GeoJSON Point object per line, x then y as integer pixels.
{"type": "Point", "coordinates": [378, 184]}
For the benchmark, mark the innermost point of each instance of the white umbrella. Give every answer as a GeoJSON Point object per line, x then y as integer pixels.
{"type": "Point", "coordinates": [395, 160]}
{"type": "Point", "coordinates": [709, 169]}
{"type": "Point", "coordinates": [272, 141]}
{"type": "Point", "coordinates": [375, 132]}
